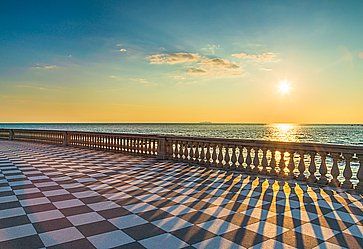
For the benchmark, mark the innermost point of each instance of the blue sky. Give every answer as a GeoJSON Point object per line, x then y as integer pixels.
{"type": "Point", "coordinates": [161, 51]}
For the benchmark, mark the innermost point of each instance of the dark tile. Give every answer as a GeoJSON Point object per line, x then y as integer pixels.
{"type": "Point", "coordinates": [153, 215]}
{"type": "Point", "coordinates": [285, 221]}
{"type": "Point", "coordinates": [75, 210]}
{"type": "Point", "coordinates": [198, 205]}
{"type": "Point", "coordinates": [96, 228]}
{"type": "Point", "coordinates": [93, 199]}
{"type": "Point", "coordinates": [241, 220]}
{"type": "Point", "coordinates": [8, 205]}
{"type": "Point", "coordinates": [347, 240]}
{"type": "Point", "coordinates": [39, 208]}
{"type": "Point", "coordinates": [50, 225]}
{"type": "Point", "coordinates": [79, 244]}
{"type": "Point", "coordinates": [28, 242]}
{"type": "Point", "coordinates": [127, 201]}
{"type": "Point", "coordinates": [196, 217]}
{"type": "Point", "coordinates": [30, 196]}
{"type": "Point", "coordinates": [113, 213]}
{"type": "Point", "coordinates": [60, 197]}
{"type": "Point", "coordinates": [163, 203]}
{"type": "Point", "coordinates": [244, 237]}
{"type": "Point", "coordinates": [298, 240]}
{"type": "Point", "coordinates": [143, 231]}
{"type": "Point", "coordinates": [14, 221]}
{"type": "Point", "coordinates": [193, 234]}
{"type": "Point", "coordinates": [133, 245]}
{"type": "Point", "coordinates": [334, 224]}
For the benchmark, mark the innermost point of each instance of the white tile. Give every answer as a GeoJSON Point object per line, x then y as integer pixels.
{"type": "Point", "coordinates": [26, 191]}
{"type": "Point", "coordinates": [127, 221]}
{"type": "Point", "coordinates": [140, 207]}
{"type": "Point", "coordinates": [171, 224]}
{"type": "Point", "coordinates": [110, 239]}
{"type": "Point", "coordinates": [55, 192]}
{"type": "Point", "coordinates": [20, 183]}
{"type": "Point", "coordinates": [182, 199]}
{"type": "Point", "coordinates": [16, 232]}
{"type": "Point", "coordinates": [178, 209]}
{"type": "Point", "coordinates": [271, 243]}
{"type": "Point", "coordinates": [98, 206]}
{"type": "Point", "coordinates": [165, 240]}
{"type": "Point", "coordinates": [60, 236]}
{"type": "Point", "coordinates": [34, 201]}
{"type": "Point", "coordinates": [267, 229]}
{"type": "Point", "coordinates": [46, 215]}
{"type": "Point", "coordinates": [11, 212]}
{"type": "Point", "coordinates": [5, 189]}
{"type": "Point", "coordinates": [316, 231]}
{"type": "Point", "coordinates": [218, 226]}
{"type": "Point", "coordinates": [259, 213]}
{"type": "Point", "coordinates": [85, 218]}
{"type": "Point", "coordinates": [9, 198]}
{"type": "Point", "coordinates": [217, 242]}
{"type": "Point", "coordinates": [45, 184]}
{"type": "Point", "coordinates": [328, 245]}
{"type": "Point", "coordinates": [301, 215]}
{"type": "Point", "coordinates": [218, 211]}
{"type": "Point", "coordinates": [85, 194]}
{"type": "Point", "coordinates": [68, 203]}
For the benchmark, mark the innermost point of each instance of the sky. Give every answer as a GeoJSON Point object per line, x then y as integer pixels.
{"type": "Point", "coordinates": [181, 61]}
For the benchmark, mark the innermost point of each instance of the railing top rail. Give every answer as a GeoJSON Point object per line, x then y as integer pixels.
{"type": "Point", "coordinates": [83, 132]}
{"type": "Point", "coordinates": [296, 146]}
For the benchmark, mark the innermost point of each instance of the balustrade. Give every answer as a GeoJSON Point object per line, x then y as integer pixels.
{"type": "Point", "coordinates": [322, 164]}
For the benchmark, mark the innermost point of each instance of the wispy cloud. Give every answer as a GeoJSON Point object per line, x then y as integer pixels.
{"type": "Point", "coordinates": [211, 48]}
{"type": "Point", "coordinates": [173, 58]}
{"type": "Point", "coordinates": [38, 87]}
{"type": "Point", "coordinates": [262, 57]}
{"type": "Point", "coordinates": [45, 67]}
{"type": "Point", "coordinates": [141, 81]}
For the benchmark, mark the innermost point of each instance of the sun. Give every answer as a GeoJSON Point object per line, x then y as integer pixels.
{"type": "Point", "coordinates": [284, 87]}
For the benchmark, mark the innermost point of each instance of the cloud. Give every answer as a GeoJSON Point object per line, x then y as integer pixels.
{"type": "Point", "coordinates": [122, 50]}
{"type": "Point", "coordinates": [199, 65]}
{"type": "Point", "coordinates": [360, 55]}
{"type": "Point", "coordinates": [218, 63]}
{"type": "Point", "coordinates": [45, 66]}
{"type": "Point", "coordinates": [194, 70]}
{"type": "Point", "coordinates": [263, 57]}
{"type": "Point", "coordinates": [215, 67]}
{"type": "Point", "coordinates": [173, 58]}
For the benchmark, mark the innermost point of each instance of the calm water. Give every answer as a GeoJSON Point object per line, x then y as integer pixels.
{"type": "Point", "coordinates": [338, 134]}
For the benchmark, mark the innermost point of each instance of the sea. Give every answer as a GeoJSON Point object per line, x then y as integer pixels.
{"type": "Point", "coordinates": [317, 133]}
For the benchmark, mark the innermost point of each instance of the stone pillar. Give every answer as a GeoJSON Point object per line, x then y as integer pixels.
{"type": "Point", "coordinates": [161, 148]}
{"type": "Point", "coordinates": [11, 134]}
{"type": "Point", "coordinates": [65, 138]}
{"type": "Point", "coordinates": [359, 186]}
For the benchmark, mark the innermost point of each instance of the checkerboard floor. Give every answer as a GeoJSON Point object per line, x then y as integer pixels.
{"type": "Point", "coordinates": [63, 197]}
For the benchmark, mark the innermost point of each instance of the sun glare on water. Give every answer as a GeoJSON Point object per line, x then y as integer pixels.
{"type": "Point", "coordinates": [284, 87]}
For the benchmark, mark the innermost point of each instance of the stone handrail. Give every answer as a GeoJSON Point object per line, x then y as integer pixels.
{"type": "Point", "coordinates": [321, 164]}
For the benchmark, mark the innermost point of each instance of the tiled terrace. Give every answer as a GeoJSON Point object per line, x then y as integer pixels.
{"type": "Point", "coordinates": [64, 197]}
